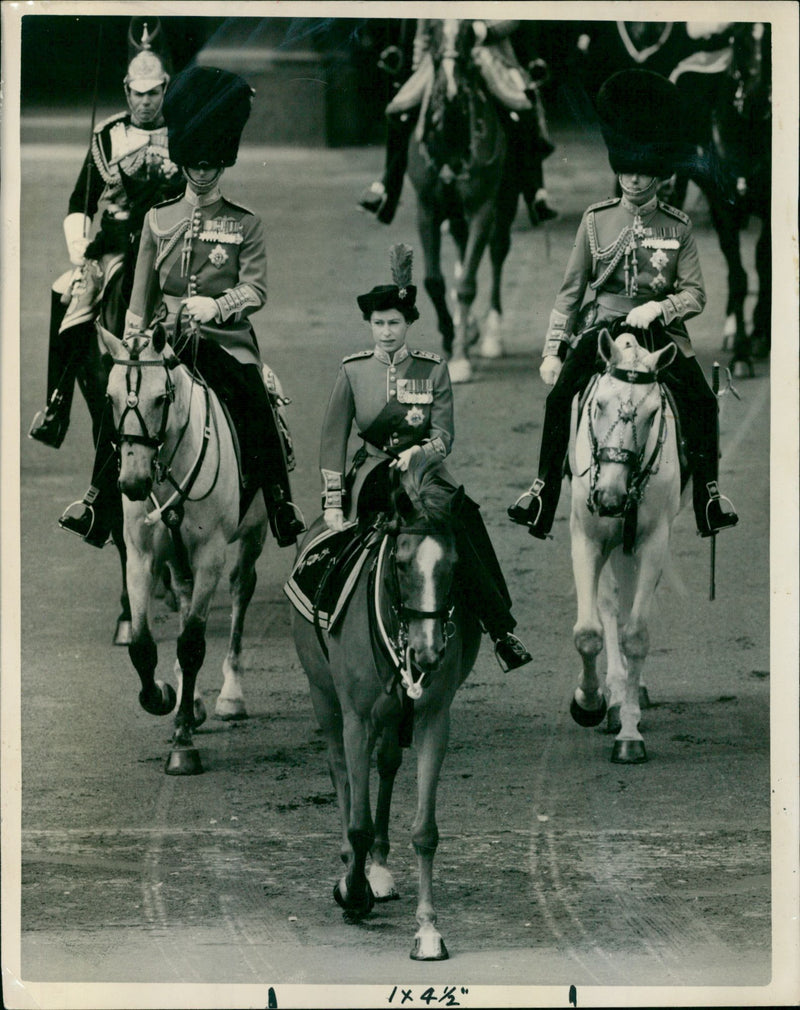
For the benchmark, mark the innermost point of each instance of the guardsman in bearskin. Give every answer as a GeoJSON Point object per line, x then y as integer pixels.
{"type": "Point", "coordinates": [638, 257]}
{"type": "Point", "coordinates": [516, 91]}
{"type": "Point", "coordinates": [401, 400]}
{"type": "Point", "coordinates": [202, 269]}
{"type": "Point", "coordinates": [126, 171]}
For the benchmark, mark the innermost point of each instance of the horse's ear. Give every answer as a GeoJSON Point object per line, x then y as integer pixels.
{"type": "Point", "coordinates": [112, 344]}
{"type": "Point", "coordinates": [159, 337]}
{"type": "Point", "coordinates": [457, 501]}
{"type": "Point", "coordinates": [659, 360]}
{"type": "Point", "coordinates": [605, 345]}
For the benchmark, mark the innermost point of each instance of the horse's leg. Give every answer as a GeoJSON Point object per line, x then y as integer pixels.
{"type": "Point", "coordinates": [353, 891]}
{"type": "Point", "coordinates": [429, 226]}
{"type": "Point", "coordinates": [761, 337]}
{"type": "Point", "coordinates": [588, 707]}
{"type": "Point", "coordinates": [466, 286]}
{"type": "Point", "coordinates": [390, 757]}
{"type": "Point", "coordinates": [431, 729]}
{"type": "Point", "coordinates": [491, 345]}
{"type": "Point", "coordinates": [638, 583]}
{"type": "Point", "coordinates": [727, 222]}
{"type": "Point", "coordinates": [230, 701]}
{"type": "Point", "coordinates": [155, 697]}
{"type": "Point", "coordinates": [616, 669]}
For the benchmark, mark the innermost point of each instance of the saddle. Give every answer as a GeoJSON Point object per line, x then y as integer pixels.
{"type": "Point", "coordinates": [326, 571]}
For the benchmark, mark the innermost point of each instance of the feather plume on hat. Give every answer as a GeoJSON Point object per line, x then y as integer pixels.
{"type": "Point", "coordinates": [401, 258]}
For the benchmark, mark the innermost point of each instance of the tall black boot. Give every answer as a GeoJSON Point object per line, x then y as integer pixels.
{"type": "Point", "coordinates": [712, 511]}
{"type": "Point", "coordinates": [382, 198]}
{"type": "Point", "coordinates": [65, 352]}
{"type": "Point", "coordinates": [92, 518]}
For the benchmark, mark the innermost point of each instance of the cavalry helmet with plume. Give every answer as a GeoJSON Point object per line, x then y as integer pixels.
{"type": "Point", "coordinates": [148, 60]}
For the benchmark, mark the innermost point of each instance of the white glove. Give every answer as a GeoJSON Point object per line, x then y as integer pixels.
{"type": "Point", "coordinates": [76, 232]}
{"type": "Point", "coordinates": [334, 519]}
{"type": "Point", "coordinates": [404, 458]}
{"type": "Point", "coordinates": [481, 31]}
{"type": "Point", "coordinates": [200, 308]}
{"type": "Point", "coordinates": [550, 369]}
{"type": "Point", "coordinates": [643, 315]}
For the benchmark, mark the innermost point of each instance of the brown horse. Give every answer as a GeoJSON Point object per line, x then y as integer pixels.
{"type": "Point", "coordinates": [405, 641]}
{"type": "Point", "coordinates": [456, 160]}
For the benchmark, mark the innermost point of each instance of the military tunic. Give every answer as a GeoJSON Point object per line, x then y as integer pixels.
{"type": "Point", "coordinates": [396, 401]}
{"type": "Point", "coordinates": [203, 245]}
{"type": "Point", "coordinates": [628, 255]}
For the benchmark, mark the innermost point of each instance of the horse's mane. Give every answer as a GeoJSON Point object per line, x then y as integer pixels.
{"type": "Point", "coordinates": [429, 493]}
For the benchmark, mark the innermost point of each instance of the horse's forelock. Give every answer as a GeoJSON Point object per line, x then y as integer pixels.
{"type": "Point", "coordinates": [429, 493]}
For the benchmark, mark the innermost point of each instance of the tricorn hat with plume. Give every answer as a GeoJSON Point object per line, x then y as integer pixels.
{"type": "Point", "coordinates": [400, 295]}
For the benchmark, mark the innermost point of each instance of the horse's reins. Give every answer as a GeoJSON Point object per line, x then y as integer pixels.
{"type": "Point", "coordinates": [639, 474]}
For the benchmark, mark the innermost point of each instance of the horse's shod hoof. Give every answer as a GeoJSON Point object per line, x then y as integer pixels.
{"type": "Point", "coordinates": [588, 717]}
{"type": "Point", "coordinates": [628, 752]}
{"type": "Point", "coordinates": [644, 698]}
{"type": "Point", "coordinates": [490, 347]}
{"type": "Point", "coordinates": [124, 633]}
{"type": "Point", "coordinates": [165, 703]}
{"type": "Point", "coordinates": [354, 911]}
{"type": "Point", "coordinates": [742, 369]}
{"type": "Point", "coordinates": [184, 761]}
{"type": "Point", "coordinates": [429, 947]}
{"type": "Point", "coordinates": [382, 883]}
{"type": "Point", "coordinates": [613, 722]}
{"type": "Point", "coordinates": [230, 709]}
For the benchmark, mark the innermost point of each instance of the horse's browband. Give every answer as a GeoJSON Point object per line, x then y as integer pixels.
{"type": "Point", "coordinates": [633, 377]}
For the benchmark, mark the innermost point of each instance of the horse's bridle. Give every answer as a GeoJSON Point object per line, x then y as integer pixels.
{"type": "Point", "coordinates": [134, 366]}
{"type": "Point", "coordinates": [639, 472]}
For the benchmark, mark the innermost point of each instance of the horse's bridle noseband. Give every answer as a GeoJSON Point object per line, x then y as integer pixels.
{"type": "Point", "coordinates": [134, 366]}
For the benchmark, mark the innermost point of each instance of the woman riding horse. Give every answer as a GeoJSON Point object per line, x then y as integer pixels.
{"type": "Point", "coordinates": [402, 402]}
{"type": "Point", "coordinates": [203, 257]}
{"type": "Point", "coordinates": [638, 255]}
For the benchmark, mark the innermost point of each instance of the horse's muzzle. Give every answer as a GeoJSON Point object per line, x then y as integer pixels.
{"type": "Point", "coordinates": [609, 506]}
{"type": "Point", "coordinates": [136, 490]}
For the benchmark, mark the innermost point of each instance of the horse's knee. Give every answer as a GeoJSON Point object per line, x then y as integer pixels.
{"type": "Point", "coordinates": [635, 641]}
{"type": "Point", "coordinates": [425, 838]}
{"type": "Point", "coordinates": [192, 645]}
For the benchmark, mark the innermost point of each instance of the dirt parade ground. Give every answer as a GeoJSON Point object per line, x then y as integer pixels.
{"type": "Point", "coordinates": [555, 867]}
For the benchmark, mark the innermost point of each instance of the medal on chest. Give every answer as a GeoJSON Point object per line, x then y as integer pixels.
{"type": "Point", "coordinates": [218, 257]}
{"type": "Point", "coordinates": [415, 416]}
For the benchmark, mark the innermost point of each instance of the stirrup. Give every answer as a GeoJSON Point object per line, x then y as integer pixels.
{"type": "Point", "coordinates": [84, 524]}
{"type": "Point", "coordinates": [47, 426]}
{"type": "Point", "coordinates": [720, 513]}
{"type": "Point", "coordinates": [510, 653]}
{"type": "Point", "coordinates": [373, 198]}
{"type": "Point", "coordinates": [518, 513]}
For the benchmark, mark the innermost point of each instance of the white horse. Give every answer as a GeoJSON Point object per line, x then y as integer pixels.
{"type": "Point", "coordinates": [180, 485]}
{"type": "Point", "coordinates": [625, 496]}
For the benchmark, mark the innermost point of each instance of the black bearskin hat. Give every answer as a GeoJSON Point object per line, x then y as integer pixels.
{"type": "Point", "coordinates": [401, 295]}
{"type": "Point", "coordinates": [206, 110]}
{"type": "Point", "coordinates": [642, 121]}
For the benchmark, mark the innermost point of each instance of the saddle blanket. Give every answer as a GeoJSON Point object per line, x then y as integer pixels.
{"type": "Point", "coordinates": [326, 572]}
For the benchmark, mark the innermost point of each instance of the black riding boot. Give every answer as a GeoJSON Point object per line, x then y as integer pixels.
{"type": "Point", "coordinates": [382, 198]}
{"type": "Point", "coordinates": [92, 518]}
{"type": "Point", "coordinates": [65, 352]}
{"type": "Point", "coordinates": [528, 149]}
{"type": "Point", "coordinates": [536, 508]}
{"type": "Point", "coordinates": [697, 409]}
{"type": "Point", "coordinates": [485, 588]}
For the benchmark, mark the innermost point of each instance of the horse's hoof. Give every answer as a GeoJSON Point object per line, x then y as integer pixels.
{"type": "Point", "coordinates": [354, 910]}
{"type": "Point", "coordinates": [490, 347]}
{"type": "Point", "coordinates": [382, 883]}
{"type": "Point", "coordinates": [613, 722]}
{"type": "Point", "coordinates": [460, 370]}
{"type": "Point", "coordinates": [742, 369]}
{"type": "Point", "coordinates": [230, 709]}
{"type": "Point", "coordinates": [628, 752]}
{"type": "Point", "coordinates": [587, 716]}
{"type": "Point", "coordinates": [644, 698]}
{"type": "Point", "coordinates": [165, 703]}
{"type": "Point", "coordinates": [199, 713]}
{"type": "Point", "coordinates": [184, 761]}
{"type": "Point", "coordinates": [124, 633]}
{"type": "Point", "coordinates": [429, 947]}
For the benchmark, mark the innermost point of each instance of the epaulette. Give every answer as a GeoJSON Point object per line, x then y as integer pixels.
{"type": "Point", "coordinates": [166, 203]}
{"type": "Point", "coordinates": [612, 202]}
{"type": "Point", "coordinates": [238, 206]}
{"type": "Point", "coordinates": [674, 212]}
{"type": "Point", "coordinates": [427, 354]}
{"type": "Point", "coordinates": [110, 121]}
{"type": "Point", "coordinates": [359, 354]}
